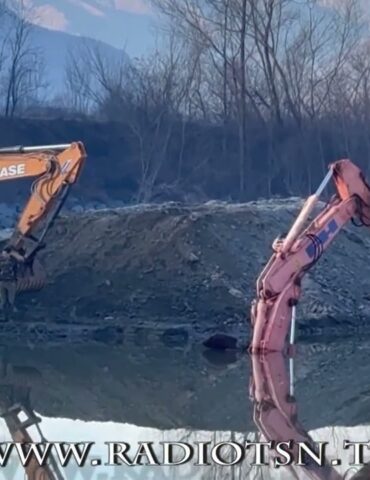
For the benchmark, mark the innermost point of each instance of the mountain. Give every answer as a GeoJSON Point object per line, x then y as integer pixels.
{"type": "Point", "coordinates": [120, 23]}
{"type": "Point", "coordinates": [56, 46]}
{"type": "Point", "coordinates": [63, 26]}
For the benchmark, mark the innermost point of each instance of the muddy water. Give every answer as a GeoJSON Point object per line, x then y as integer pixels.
{"type": "Point", "coordinates": [167, 394]}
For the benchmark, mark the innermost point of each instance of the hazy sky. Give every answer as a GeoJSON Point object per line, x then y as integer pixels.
{"type": "Point", "coordinates": [122, 23]}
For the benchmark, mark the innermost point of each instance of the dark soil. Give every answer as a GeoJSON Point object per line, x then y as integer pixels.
{"type": "Point", "coordinates": [192, 267]}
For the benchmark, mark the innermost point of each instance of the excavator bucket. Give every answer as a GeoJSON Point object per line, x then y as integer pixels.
{"type": "Point", "coordinates": [31, 278]}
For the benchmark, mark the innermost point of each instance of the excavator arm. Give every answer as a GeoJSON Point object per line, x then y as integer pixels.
{"type": "Point", "coordinates": [279, 285]}
{"type": "Point", "coordinates": [56, 168]}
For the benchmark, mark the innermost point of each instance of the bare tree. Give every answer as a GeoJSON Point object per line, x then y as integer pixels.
{"type": "Point", "coordinates": [91, 76]}
{"type": "Point", "coordinates": [3, 29]}
{"type": "Point", "coordinates": [262, 88]}
{"type": "Point", "coordinates": [77, 84]}
{"type": "Point", "coordinates": [24, 64]}
{"type": "Point", "coordinates": [152, 96]}
{"type": "Point", "coordinates": [218, 28]}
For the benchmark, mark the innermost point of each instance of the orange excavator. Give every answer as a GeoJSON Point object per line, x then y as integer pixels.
{"type": "Point", "coordinates": [56, 168]}
{"type": "Point", "coordinates": [279, 285]}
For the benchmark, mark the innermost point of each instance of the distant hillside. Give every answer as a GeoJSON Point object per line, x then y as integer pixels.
{"type": "Point", "coordinates": [121, 23]}
{"type": "Point", "coordinates": [56, 47]}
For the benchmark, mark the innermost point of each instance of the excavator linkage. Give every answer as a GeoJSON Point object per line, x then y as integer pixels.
{"type": "Point", "coordinates": [279, 284]}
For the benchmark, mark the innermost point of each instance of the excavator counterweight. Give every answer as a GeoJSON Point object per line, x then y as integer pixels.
{"type": "Point", "coordinates": [279, 284]}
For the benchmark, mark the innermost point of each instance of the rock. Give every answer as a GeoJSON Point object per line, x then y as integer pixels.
{"type": "Point", "coordinates": [221, 342]}
{"type": "Point", "coordinates": [236, 293]}
{"type": "Point", "coordinates": [175, 337]}
{"type": "Point", "coordinates": [220, 358]}
{"type": "Point", "coordinates": [109, 335]}
{"type": "Point", "coordinates": [192, 258]}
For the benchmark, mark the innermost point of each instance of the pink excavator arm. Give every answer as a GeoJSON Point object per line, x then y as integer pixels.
{"type": "Point", "coordinates": [275, 413]}
{"type": "Point", "coordinates": [279, 285]}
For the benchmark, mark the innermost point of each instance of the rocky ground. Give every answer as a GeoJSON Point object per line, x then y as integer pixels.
{"type": "Point", "coordinates": [179, 270]}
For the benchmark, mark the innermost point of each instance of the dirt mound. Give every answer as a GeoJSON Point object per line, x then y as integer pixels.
{"type": "Point", "coordinates": [174, 265]}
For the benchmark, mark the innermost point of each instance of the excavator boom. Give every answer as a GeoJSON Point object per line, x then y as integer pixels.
{"type": "Point", "coordinates": [279, 285]}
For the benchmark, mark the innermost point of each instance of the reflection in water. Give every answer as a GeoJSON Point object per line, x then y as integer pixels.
{"type": "Point", "coordinates": [275, 410]}
{"type": "Point", "coordinates": [276, 416]}
{"type": "Point", "coordinates": [166, 395]}
{"type": "Point", "coordinates": [19, 418]}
